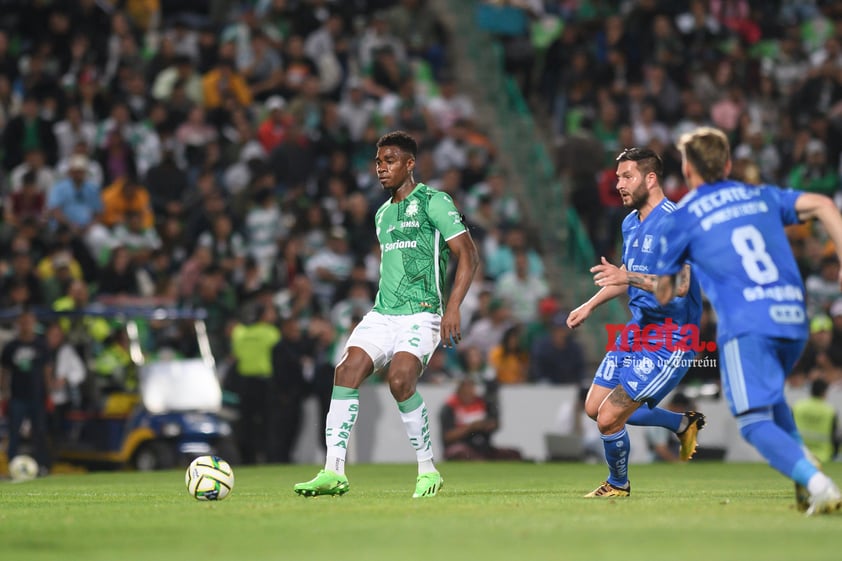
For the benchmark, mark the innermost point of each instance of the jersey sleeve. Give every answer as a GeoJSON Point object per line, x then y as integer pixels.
{"type": "Point", "coordinates": [444, 216]}
{"type": "Point", "coordinates": [672, 247]}
{"type": "Point", "coordinates": [785, 199]}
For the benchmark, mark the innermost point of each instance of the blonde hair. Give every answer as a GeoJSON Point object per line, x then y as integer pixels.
{"type": "Point", "coordinates": [707, 149]}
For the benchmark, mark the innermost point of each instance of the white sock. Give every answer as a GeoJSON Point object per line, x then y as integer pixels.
{"type": "Point", "coordinates": [415, 421]}
{"type": "Point", "coordinates": [819, 483]}
{"type": "Point", "coordinates": [344, 407]}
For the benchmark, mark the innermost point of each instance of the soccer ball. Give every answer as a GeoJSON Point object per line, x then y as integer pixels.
{"type": "Point", "coordinates": [209, 478]}
{"type": "Point", "coordinates": [23, 468]}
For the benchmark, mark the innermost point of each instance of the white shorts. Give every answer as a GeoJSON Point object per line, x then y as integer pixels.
{"type": "Point", "coordinates": [381, 336]}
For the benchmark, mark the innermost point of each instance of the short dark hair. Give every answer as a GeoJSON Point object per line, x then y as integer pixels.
{"type": "Point", "coordinates": [819, 387]}
{"type": "Point", "coordinates": [647, 160]}
{"type": "Point", "coordinates": [400, 139]}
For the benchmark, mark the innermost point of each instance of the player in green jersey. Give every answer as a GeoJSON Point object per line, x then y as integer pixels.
{"type": "Point", "coordinates": [418, 229]}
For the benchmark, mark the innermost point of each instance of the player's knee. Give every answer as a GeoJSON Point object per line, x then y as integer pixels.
{"type": "Point", "coordinates": [608, 424]}
{"type": "Point", "coordinates": [402, 387]}
{"type": "Point", "coordinates": [351, 372]}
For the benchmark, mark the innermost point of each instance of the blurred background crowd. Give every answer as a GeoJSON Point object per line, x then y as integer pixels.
{"type": "Point", "coordinates": [218, 154]}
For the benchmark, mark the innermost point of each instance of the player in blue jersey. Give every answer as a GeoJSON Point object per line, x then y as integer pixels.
{"type": "Point", "coordinates": [649, 355]}
{"type": "Point", "coordinates": [734, 235]}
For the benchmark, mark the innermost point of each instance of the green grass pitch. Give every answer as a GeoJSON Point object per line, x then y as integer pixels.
{"type": "Point", "coordinates": [696, 511]}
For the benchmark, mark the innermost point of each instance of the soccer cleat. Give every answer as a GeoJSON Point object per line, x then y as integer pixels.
{"type": "Point", "coordinates": [609, 490]}
{"type": "Point", "coordinates": [826, 502]}
{"type": "Point", "coordinates": [326, 482]}
{"type": "Point", "coordinates": [695, 423]}
{"type": "Point", "coordinates": [427, 485]}
{"type": "Point", "coordinates": [802, 495]}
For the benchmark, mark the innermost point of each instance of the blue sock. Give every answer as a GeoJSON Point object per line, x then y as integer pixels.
{"type": "Point", "coordinates": [784, 419]}
{"type": "Point", "coordinates": [780, 449]}
{"type": "Point", "coordinates": [617, 455]}
{"type": "Point", "coordinates": [657, 417]}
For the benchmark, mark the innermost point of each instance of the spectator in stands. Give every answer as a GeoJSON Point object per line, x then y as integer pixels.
{"type": "Point", "coordinates": [557, 358]}
{"type": "Point", "coordinates": [487, 332]}
{"type": "Point", "coordinates": [815, 175]}
{"type": "Point", "coordinates": [509, 359]}
{"type": "Point", "coordinates": [75, 202]}
{"type": "Point", "coordinates": [272, 130]}
{"type": "Point", "coordinates": [216, 296]}
{"type": "Point", "coordinates": [356, 110]}
{"type": "Point", "coordinates": [33, 161]}
{"type": "Point", "coordinates": [468, 422]}
{"type": "Point", "coordinates": [474, 365]}
{"type": "Point", "coordinates": [116, 157]}
{"type": "Point", "coordinates": [81, 148]}
{"type": "Point", "coordinates": [330, 266]}
{"type": "Point", "coordinates": [118, 277]}
{"type": "Point", "coordinates": [178, 74]}
{"type": "Point", "coordinates": [502, 260]}
{"type": "Point", "coordinates": [222, 84]}
{"type": "Point", "coordinates": [27, 203]}
{"type": "Point", "coordinates": [126, 195]}
{"type": "Point", "coordinates": [227, 246]}
{"type": "Point", "coordinates": [264, 72]}
{"type": "Point", "coordinates": [522, 289]}
{"type": "Point", "coordinates": [28, 131]}
{"type": "Point", "coordinates": [823, 286]}
{"type": "Point", "coordinates": [22, 270]}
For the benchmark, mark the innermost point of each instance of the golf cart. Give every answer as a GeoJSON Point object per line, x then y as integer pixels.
{"type": "Point", "coordinates": [170, 414]}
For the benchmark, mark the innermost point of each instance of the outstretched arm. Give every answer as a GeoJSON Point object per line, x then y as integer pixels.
{"type": "Point", "coordinates": [611, 275]}
{"type": "Point", "coordinates": [464, 249]}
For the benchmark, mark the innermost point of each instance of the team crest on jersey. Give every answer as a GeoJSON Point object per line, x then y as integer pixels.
{"type": "Point", "coordinates": [644, 367]}
{"type": "Point", "coordinates": [647, 243]}
{"type": "Point", "coordinates": [412, 208]}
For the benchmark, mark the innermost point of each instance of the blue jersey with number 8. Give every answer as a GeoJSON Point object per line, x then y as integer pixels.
{"type": "Point", "coordinates": [734, 236]}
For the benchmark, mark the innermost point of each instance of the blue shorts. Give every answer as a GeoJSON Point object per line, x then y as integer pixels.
{"type": "Point", "coordinates": [754, 368]}
{"type": "Point", "coordinates": [647, 376]}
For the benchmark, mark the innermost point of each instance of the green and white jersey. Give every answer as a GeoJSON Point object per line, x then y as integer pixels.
{"type": "Point", "coordinates": [413, 237]}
